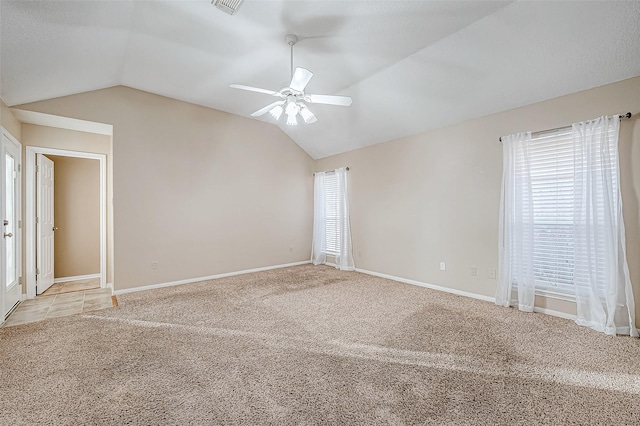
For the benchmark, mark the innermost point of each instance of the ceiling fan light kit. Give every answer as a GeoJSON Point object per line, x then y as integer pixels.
{"type": "Point", "coordinates": [294, 99]}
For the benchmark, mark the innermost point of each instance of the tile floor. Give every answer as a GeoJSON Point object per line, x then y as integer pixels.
{"type": "Point", "coordinates": [61, 303]}
{"type": "Point", "coordinates": [70, 286]}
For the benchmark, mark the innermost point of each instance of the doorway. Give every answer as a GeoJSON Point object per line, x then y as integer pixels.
{"type": "Point", "coordinates": [10, 205]}
{"type": "Point", "coordinates": [41, 224]}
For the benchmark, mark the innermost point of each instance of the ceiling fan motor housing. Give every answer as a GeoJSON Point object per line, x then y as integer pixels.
{"type": "Point", "coordinates": [291, 39]}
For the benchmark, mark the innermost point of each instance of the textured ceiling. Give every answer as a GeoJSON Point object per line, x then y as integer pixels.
{"type": "Point", "coordinates": [410, 66]}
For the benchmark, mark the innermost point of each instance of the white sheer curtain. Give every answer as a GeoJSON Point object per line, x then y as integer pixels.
{"type": "Point", "coordinates": [516, 226]}
{"type": "Point", "coordinates": [603, 289]}
{"type": "Point", "coordinates": [319, 244]}
{"type": "Point", "coordinates": [344, 258]}
{"type": "Point", "coordinates": [561, 227]}
{"type": "Point", "coordinates": [338, 212]}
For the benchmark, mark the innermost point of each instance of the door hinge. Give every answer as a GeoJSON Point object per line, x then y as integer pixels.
{"type": "Point", "coordinates": [19, 167]}
{"type": "Point", "coordinates": [20, 224]}
{"type": "Point", "coordinates": [37, 169]}
{"type": "Point", "coordinates": [37, 219]}
{"type": "Point", "coordinates": [37, 271]}
{"type": "Point", "coordinates": [20, 280]}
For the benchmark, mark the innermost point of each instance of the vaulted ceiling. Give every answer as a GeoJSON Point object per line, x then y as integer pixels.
{"type": "Point", "coordinates": [409, 66]}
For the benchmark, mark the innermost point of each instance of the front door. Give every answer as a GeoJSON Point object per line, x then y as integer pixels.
{"type": "Point", "coordinates": [44, 224]}
{"type": "Point", "coordinates": [11, 253]}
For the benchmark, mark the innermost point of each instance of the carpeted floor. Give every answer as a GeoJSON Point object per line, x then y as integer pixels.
{"type": "Point", "coordinates": [313, 345]}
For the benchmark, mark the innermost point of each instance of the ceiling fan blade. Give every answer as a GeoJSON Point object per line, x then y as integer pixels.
{"type": "Point", "coordinates": [266, 109]}
{"type": "Point", "coordinates": [300, 79]}
{"type": "Point", "coordinates": [255, 89]}
{"type": "Point", "coordinates": [329, 99]}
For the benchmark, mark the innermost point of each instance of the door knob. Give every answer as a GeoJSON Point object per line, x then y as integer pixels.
{"type": "Point", "coordinates": [55, 228]}
{"type": "Point", "coordinates": [10, 234]}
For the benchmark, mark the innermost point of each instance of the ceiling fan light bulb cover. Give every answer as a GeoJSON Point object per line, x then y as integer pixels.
{"type": "Point", "coordinates": [276, 112]}
{"type": "Point", "coordinates": [292, 108]}
{"type": "Point", "coordinates": [307, 115]}
{"type": "Point", "coordinates": [292, 120]}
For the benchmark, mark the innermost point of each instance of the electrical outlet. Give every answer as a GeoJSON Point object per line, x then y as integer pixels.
{"type": "Point", "coordinates": [473, 271]}
{"type": "Point", "coordinates": [154, 264]}
{"type": "Point", "coordinates": [443, 266]}
{"type": "Point", "coordinates": [492, 274]}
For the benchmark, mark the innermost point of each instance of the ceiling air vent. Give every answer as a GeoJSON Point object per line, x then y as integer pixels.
{"type": "Point", "coordinates": [227, 6]}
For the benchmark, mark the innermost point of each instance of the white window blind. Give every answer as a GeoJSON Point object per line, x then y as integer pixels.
{"type": "Point", "coordinates": [553, 168]}
{"type": "Point", "coordinates": [331, 213]}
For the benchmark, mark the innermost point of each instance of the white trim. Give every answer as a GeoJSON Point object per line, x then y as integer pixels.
{"type": "Point", "coordinates": [431, 286]}
{"type": "Point", "coordinates": [42, 119]}
{"type": "Point", "coordinates": [554, 313]}
{"type": "Point", "coordinates": [465, 293]}
{"type": "Point", "coordinates": [76, 278]}
{"type": "Point", "coordinates": [30, 211]}
{"type": "Point", "coordinates": [19, 229]}
{"type": "Point", "coordinates": [207, 278]}
{"type": "Point", "coordinates": [556, 295]}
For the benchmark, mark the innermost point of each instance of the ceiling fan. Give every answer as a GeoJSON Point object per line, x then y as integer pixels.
{"type": "Point", "coordinates": [293, 100]}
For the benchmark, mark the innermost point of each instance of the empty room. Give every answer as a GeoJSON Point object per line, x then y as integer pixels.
{"type": "Point", "coordinates": [320, 212]}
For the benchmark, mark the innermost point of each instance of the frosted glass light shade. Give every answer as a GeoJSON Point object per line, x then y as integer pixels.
{"type": "Point", "coordinates": [276, 112]}
{"type": "Point", "coordinates": [292, 120]}
{"type": "Point", "coordinates": [307, 115]}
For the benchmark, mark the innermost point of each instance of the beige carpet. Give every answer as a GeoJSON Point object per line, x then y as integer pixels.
{"type": "Point", "coordinates": [312, 345]}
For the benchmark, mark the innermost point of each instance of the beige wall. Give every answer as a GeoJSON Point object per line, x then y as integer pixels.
{"type": "Point", "coordinates": [77, 216]}
{"type": "Point", "coordinates": [72, 140]}
{"type": "Point", "coordinates": [10, 122]}
{"type": "Point", "coordinates": [200, 191]}
{"type": "Point", "coordinates": [435, 196]}
{"type": "Point", "coordinates": [205, 192]}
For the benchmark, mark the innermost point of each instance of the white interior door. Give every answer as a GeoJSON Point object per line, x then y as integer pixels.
{"type": "Point", "coordinates": [44, 223]}
{"type": "Point", "coordinates": [11, 252]}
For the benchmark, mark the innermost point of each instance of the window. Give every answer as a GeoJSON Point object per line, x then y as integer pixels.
{"type": "Point", "coordinates": [561, 230]}
{"type": "Point", "coordinates": [547, 176]}
{"type": "Point", "coordinates": [331, 214]}
{"type": "Point", "coordinates": [331, 228]}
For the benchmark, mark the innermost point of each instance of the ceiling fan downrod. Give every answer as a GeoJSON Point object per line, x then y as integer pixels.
{"type": "Point", "coordinates": [291, 39]}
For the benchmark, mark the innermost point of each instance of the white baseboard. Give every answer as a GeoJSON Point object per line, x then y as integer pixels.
{"type": "Point", "coordinates": [431, 286]}
{"type": "Point", "coordinates": [76, 278]}
{"type": "Point", "coordinates": [210, 277]}
{"type": "Point", "coordinates": [554, 313]}
{"type": "Point", "coordinates": [463, 293]}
